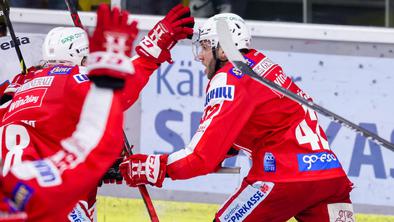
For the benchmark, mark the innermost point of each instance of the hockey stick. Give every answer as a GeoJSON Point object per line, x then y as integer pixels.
{"type": "Point", "coordinates": [142, 188]}
{"type": "Point", "coordinates": [229, 170]}
{"type": "Point", "coordinates": [238, 61]}
{"type": "Point", "coordinates": [5, 7]}
{"type": "Point", "coordinates": [74, 13]}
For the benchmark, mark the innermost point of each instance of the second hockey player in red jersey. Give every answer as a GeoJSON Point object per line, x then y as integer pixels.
{"type": "Point", "coordinates": [294, 173]}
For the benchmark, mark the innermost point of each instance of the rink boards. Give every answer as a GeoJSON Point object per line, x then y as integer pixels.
{"type": "Point", "coordinates": [345, 69]}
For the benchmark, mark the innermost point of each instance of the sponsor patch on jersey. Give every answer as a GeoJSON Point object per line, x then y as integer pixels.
{"type": "Point", "coordinates": [80, 78]}
{"type": "Point", "coordinates": [263, 66]}
{"type": "Point", "coordinates": [25, 100]}
{"type": "Point", "coordinates": [21, 195]}
{"type": "Point", "coordinates": [220, 93]}
{"type": "Point", "coordinates": [246, 201]}
{"type": "Point", "coordinates": [249, 62]}
{"type": "Point", "coordinates": [269, 162]}
{"type": "Point", "coordinates": [60, 70]}
{"type": "Point", "coordinates": [48, 174]}
{"type": "Point", "coordinates": [277, 76]}
{"type": "Point", "coordinates": [236, 72]}
{"type": "Point", "coordinates": [317, 161]}
{"type": "Point", "coordinates": [44, 81]}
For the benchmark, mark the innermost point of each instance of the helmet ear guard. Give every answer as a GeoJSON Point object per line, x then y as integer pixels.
{"type": "Point", "coordinates": [66, 45]}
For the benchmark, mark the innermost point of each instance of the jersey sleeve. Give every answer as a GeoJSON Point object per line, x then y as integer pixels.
{"type": "Point", "coordinates": [228, 107]}
{"type": "Point", "coordinates": [134, 85]}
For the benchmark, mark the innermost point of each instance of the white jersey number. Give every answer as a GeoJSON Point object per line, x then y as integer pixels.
{"type": "Point", "coordinates": [306, 135]}
{"type": "Point", "coordinates": [15, 138]}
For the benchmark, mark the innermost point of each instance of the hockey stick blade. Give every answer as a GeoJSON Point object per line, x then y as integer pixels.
{"type": "Point", "coordinates": [236, 58]}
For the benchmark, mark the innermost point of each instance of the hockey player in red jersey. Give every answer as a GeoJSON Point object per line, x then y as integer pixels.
{"type": "Point", "coordinates": [63, 129]}
{"type": "Point", "coordinates": [293, 174]}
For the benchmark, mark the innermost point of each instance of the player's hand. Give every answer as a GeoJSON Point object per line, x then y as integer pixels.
{"type": "Point", "coordinates": [139, 169]}
{"type": "Point", "coordinates": [110, 46]}
{"type": "Point", "coordinates": [177, 25]}
{"type": "Point", "coordinates": [7, 89]}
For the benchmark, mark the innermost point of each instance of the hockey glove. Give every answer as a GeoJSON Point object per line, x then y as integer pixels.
{"type": "Point", "coordinates": [177, 25]}
{"type": "Point", "coordinates": [139, 169]}
{"type": "Point", "coordinates": [110, 46]}
{"type": "Point", "coordinates": [4, 97]}
{"type": "Point", "coordinates": [7, 90]}
{"type": "Point", "coordinates": [113, 176]}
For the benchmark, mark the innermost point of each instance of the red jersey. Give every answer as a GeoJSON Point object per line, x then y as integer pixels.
{"type": "Point", "coordinates": [63, 120]}
{"type": "Point", "coordinates": [282, 137]}
{"type": "Point", "coordinates": [50, 104]}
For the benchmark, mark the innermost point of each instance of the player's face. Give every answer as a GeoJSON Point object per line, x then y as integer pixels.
{"type": "Point", "coordinates": [205, 55]}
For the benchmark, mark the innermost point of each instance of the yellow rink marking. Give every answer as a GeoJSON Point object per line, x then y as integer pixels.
{"type": "Point", "coordinates": [110, 209]}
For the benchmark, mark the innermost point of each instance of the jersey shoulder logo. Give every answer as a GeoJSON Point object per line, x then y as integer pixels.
{"type": "Point", "coordinates": [60, 70]}
{"type": "Point", "coordinates": [236, 72]}
{"type": "Point", "coordinates": [80, 78]}
{"type": "Point", "coordinates": [263, 66]}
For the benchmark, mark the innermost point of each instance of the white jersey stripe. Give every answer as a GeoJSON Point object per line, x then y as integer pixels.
{"type": "Point", "coordinates": [92, 123]}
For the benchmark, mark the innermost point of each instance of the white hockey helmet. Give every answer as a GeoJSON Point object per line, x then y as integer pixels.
{"type": "Point", "coordinates": [65, 45]}
{"type": "Point", "coordinates": [240, 32]}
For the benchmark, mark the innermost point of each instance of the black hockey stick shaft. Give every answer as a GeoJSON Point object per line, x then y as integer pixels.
{"type": "Point", "coordinates": [237, 59]}
{"type": "Point", "coordinates": [142, 188]}
{"type": "Point", "coordinates": [6, 11]}
{"type": "Point", "coordinates": [74, 13]}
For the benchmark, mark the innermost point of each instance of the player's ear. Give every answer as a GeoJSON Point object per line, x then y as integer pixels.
{"type": "Point", "coordinates": [221, 55]}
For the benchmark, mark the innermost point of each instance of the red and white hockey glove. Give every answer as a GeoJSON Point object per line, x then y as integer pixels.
{"type": "Point", "coordinates": [139, 169]}
{"type": "Point", "coordinates": [177, 25]}
{"type": "Point", "coordinates": [110, 46]}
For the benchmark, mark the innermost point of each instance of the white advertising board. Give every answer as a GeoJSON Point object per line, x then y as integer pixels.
{"type": "Point", "coordinates": [31, 48]}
